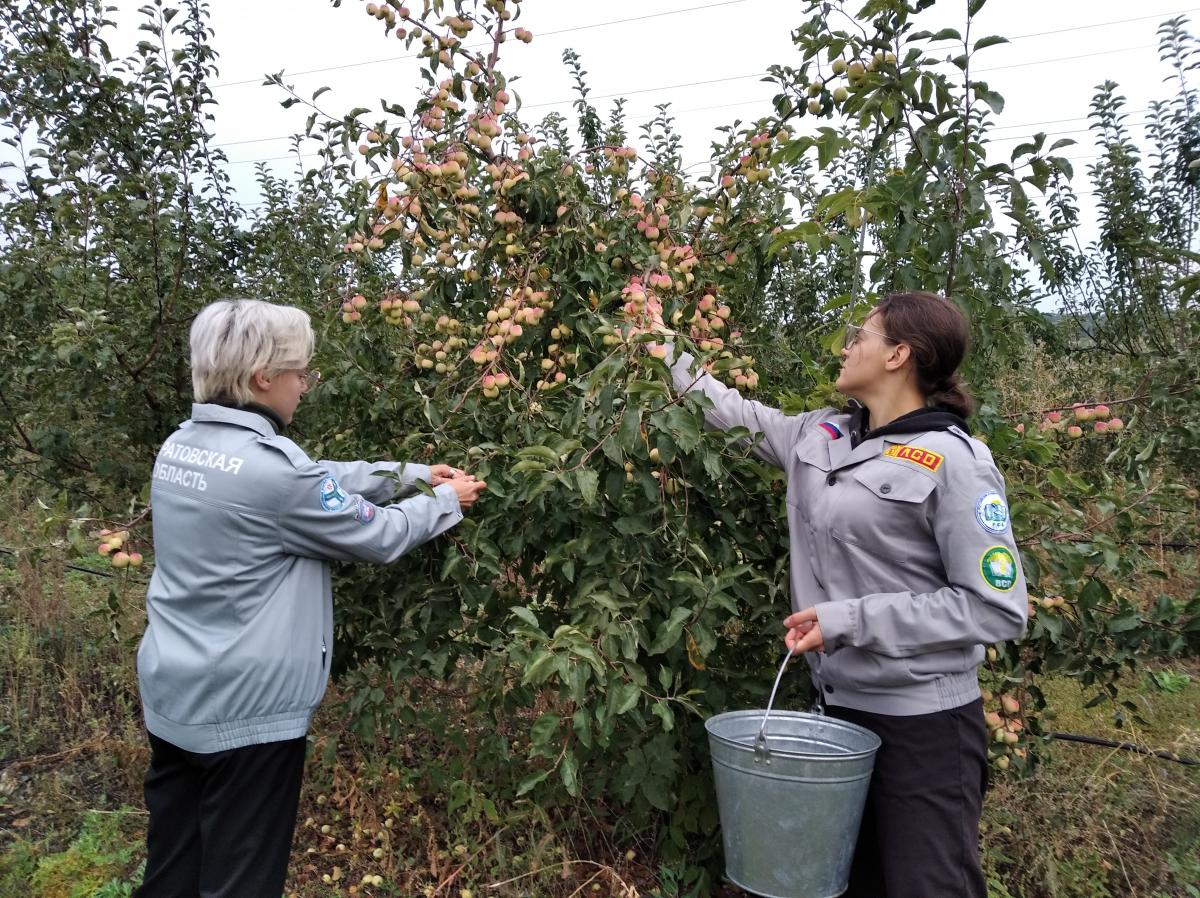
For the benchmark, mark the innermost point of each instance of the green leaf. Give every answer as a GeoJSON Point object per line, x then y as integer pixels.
{"type": "Point", "coordinates": [993, 99]}
{"type": "Point", "coordinates": [544, 729]}
{"type": "Point", "coordinates": [526, 615]}
{"type": "Point", "coordinates": [625, 698]}
{"type": "Point", "coordinates": [589, 482]}
{"type": "Point", "coordinates": [990, 41]}
{"type": "Point", "coordinates": [532, 780]}
{"type": "Point", "coordinates": [568, 769]}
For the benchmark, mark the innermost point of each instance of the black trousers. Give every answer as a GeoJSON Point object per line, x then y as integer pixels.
{"type": "Point", "coordinates": [920, 828]}
{"type": "Point", "coordinates": [221, 824]}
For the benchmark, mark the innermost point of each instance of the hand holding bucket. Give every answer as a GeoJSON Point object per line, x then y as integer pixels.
{"type": "Point", "coordinates": [789, 814]}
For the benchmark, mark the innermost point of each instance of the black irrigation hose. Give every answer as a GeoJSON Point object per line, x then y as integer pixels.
{"type": "Point", "coordinates": [1125, 746]}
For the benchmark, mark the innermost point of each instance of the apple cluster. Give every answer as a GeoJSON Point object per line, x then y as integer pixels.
{"type": "Point", "coordinates": [822, 98]}
{"type": "Point", "coordinates": [1099, 416]}
{"type": "Point", "coordinates": [1004, 728]}
{"type": "Point", "coordinates": [425, 200]}
{"type": "Point", "coordinates": [112, 545]}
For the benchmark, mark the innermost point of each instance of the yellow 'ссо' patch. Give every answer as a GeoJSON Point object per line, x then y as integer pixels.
{"type": "Point", "coordinates": [915, 454]}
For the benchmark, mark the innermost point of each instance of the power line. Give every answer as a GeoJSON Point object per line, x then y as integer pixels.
{"type": "Point", "coordinates": [739, 103]}
{"type": "Point", "coordinates": [666, 87]}
{"type": "Point", "coordinates": [1017, 37]}
{"type": "Point", "coordinates": [1021, 65]}
{"type": "Point", "coordinates": [354, 65]}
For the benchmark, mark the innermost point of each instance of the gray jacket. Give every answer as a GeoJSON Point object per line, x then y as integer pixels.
{"type": "Point", "coordinates": [240, 632]}
{"type": "Point", "coordinates": [903, 545]}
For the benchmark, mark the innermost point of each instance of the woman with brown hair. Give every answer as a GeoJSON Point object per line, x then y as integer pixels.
{"type": "Point", "coordinates": [903, 566]}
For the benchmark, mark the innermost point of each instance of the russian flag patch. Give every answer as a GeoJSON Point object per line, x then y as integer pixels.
{"type": "Point", "coordinates": [832, 430]}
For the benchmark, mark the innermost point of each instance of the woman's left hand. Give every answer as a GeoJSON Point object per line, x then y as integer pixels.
{"type": "Point", "coordinates": [444, 473]}
{"type": "Point", "coordinates": [804, 632]}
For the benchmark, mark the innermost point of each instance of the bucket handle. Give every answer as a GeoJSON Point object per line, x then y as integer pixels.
{"type": "Point", "coordinates": [761, 752]}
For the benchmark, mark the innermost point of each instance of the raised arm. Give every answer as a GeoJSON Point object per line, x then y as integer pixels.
{"type": "Point", "coordinates": [730, 409]}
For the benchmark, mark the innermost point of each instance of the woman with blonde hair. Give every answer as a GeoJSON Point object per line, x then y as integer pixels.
{"type": "Point", "coordinates": [237, 648]}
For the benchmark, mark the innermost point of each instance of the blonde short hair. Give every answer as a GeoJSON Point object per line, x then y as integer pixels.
{"type": "Point", "coordinates": [231, 339]}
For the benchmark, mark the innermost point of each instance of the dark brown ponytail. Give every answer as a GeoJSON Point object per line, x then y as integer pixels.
{"type": "Point", "coordinates": [938, 333]}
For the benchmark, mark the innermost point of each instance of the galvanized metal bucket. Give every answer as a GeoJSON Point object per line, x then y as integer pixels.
{"type": "Point", "coordinates": [791, 788]}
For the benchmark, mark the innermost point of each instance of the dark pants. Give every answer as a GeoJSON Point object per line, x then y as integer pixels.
{"type": "Point", "coordinates": [920, 829]}
{"type": "Point", "coordinates": [221, 824]}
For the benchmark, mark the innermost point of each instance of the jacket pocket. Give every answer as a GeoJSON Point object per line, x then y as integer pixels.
{"type": "Point", "coordinates": [853, 668]}
{"type": "Point", "coordinates": [882, 512]}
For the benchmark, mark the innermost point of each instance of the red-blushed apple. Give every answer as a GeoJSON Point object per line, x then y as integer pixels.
{"type": "Point", "coordinates": [1074, 432]}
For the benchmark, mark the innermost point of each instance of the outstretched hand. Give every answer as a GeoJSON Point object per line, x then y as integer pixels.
{"type": "Point", "coordinates": [440, 474]}
{"type": "Point", "coordinates": [804, 632]}
{"type": "Point", "coordinates": [468, 490]}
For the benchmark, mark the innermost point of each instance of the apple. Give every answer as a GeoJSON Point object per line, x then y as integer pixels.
{"type": "Point", "coordinates": [1074, 432]}
{"type": "Point", "coordinates": [119, 559]}
{"type": "Point", "coordinates": [135, 559]}
{"type": "Point", "coordinates": [840, 94]}
{"type": "Point", "coordinates": [1116, 424]}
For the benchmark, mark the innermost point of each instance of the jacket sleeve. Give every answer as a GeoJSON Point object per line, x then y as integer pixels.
{"type": "Point", "coordinates": [985, 597]}
{"type": "Point", "coordinates": [321, 518]}
{"type": "Point", "coordinates": [362, 477]}
{"type": "Point", "coordinates": [730, 409]}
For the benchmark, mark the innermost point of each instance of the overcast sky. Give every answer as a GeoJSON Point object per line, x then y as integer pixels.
{"type": "Point", "coordinates": [704, 57]}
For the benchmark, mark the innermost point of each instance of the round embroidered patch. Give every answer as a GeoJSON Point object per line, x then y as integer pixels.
{"type": "Point", "coordinates": [998, 568]}
{"type": "Point", "coordinates": [991, 512]}
{"type": "Point", "coordinates": [332, 496]}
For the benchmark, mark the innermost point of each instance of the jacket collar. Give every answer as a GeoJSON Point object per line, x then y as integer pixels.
{"type": "Point", "coordinates": [254, 418]}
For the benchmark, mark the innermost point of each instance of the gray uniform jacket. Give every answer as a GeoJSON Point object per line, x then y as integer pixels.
{"type": "Point", "coordinates": [903, 545]}
{"type": "Point", "coordinates": [240, 632]}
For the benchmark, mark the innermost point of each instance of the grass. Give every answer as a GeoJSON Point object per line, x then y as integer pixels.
{"type": "Point", "coordinates": [1088, 821]}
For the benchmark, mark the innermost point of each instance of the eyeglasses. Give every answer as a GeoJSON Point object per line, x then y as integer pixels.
{"type": "Point", "coordinates": [854, 334]}
{"type": "Point", "coordinates": [310, 378]}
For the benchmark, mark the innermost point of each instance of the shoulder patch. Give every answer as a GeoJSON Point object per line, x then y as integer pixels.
{"type": "Point", "coordinates": [998, 568]}
{"type": "Point", "coordinates": [364, 512]}
{"type": "Point", "coordinates": [991, 512]}
{"type": "Point", "coordinates": [926, 458]}
{"type": "Point", "coordinates": [332, 496]}
{"type": "Point", "coordinates": [832, 429]}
